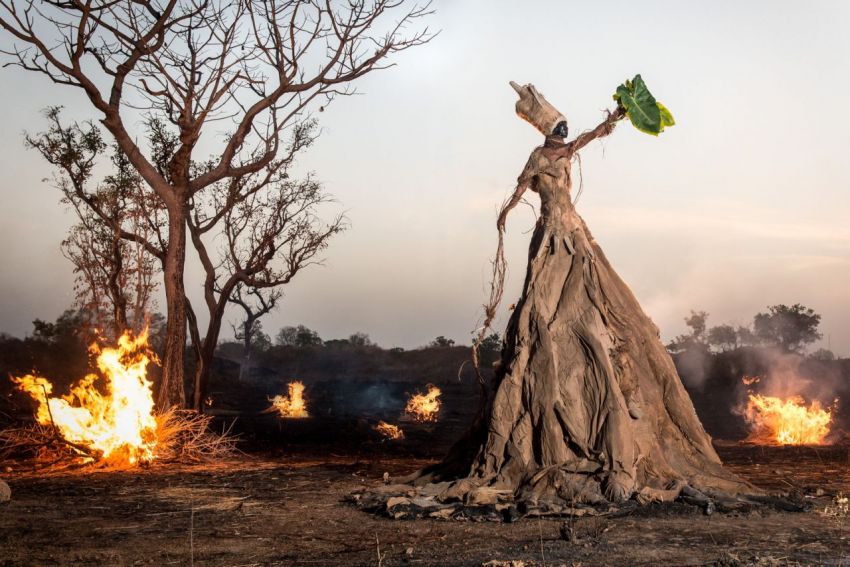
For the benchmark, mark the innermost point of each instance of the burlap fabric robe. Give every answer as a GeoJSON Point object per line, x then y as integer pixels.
{"type": "Point", "coordinates": [588, 404]}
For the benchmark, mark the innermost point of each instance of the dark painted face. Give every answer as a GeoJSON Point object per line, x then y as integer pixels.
{"type": "Point", "coordinates": [561, 130]}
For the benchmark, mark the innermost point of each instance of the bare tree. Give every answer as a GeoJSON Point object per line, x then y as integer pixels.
{"type": "Point", "coordinates": [114, 277]}
{"type": "Point", "coordinates": [271, 231]}
{"type": "Point", "coordinates": [117, 247]}
{"type": "Point", "coordinates": [255, 303]}
{"type": "Point", "coordinates": [249, 68]}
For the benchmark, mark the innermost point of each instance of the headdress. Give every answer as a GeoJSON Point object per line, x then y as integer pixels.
{"type": "Point", "coordinates": [536, 110]}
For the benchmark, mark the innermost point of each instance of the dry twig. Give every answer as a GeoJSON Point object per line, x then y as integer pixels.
{"type": "Point", "coordinates": [186, 436]}
{"type": "Point", "coordinates": [183, 436]}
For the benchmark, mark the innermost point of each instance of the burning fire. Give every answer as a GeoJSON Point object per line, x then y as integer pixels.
{"type": "Point", "coordinates": [115, 422]}
{"type": "Point", "coordinates": [787, 422]}
{"type": "Point", "coordinates": [750, 380]}
{"type": "Point", "coordinates": [424, 407]}
{"type": "Point", "coordinates": [292, 405]}
{"type": "Point", "coordinates": [389, 430]}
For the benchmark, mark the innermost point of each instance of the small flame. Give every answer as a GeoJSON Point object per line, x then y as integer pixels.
{"type": "Point", "coordinates": [424, 407]}
{"type": "Point", "coordinates": [389, 430]}
{"type": "Point", "coordinates": [777, 421]}
{"type": "Point", "coordinates": [117, 426]}
{"type": "Point", "coordinates": [292, 405]}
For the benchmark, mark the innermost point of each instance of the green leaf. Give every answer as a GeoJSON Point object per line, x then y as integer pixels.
{"type": "Point", "coordinates": [645, 113]}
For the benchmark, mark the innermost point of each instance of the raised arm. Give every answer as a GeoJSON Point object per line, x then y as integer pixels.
{"type": "Point", "coordinates": [605, 128]}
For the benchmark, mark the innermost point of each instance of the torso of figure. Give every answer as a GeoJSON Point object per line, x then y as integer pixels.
{"type": "Point", "coordinates": [551, 179]}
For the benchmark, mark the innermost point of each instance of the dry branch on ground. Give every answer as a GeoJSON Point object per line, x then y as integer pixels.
{"type": "Point", "coordinates": [183, 436]}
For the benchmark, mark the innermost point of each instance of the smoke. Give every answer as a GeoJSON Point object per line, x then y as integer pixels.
{"type": "Point", "coordinates": [694, 367]}
{"type": "Point", "coordinates": [720, 396]}
{"type": "Point", "coordinates": [377, 398]}
{"type": "Point", "coordinates": [784, 375]}
{"type": "Point", "coordinates": [789, 374]}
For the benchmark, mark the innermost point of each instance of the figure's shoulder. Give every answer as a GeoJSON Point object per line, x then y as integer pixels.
{"type": "Point", "coordinates": [532, 166]}
{"type": "Point", "coordinates": [538, 157]}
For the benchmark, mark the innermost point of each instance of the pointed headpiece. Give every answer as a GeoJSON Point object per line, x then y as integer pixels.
{"type": "Point", "coordinates": [536, 110]}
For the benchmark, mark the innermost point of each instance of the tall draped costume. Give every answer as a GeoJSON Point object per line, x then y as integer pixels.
{"type": "Point", "coordinates": [586, 406]}
{"type": "Point", "coordinates": [586, 389]}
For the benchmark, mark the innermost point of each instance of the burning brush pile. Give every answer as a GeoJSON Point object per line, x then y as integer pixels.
{"type": "Point", "coordinates": [424, 407]}
{"type": "Point", "coordinates": [292, 405]}
{"type": "Point", "coordinates": [421, 407]}
{"type": "Point", "coordinates": [108, 418]}
{"type": "Point", "coordinates": [785, 419]}
{"type": "Point", "coordinates": [389, 431]}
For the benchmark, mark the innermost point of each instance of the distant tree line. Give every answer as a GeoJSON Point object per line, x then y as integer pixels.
{"type": "Point", "coordinates": [301, 336]}
{"type": "Point", "coordinates": [78, 327]}
{"type": "Point", "coordinates": [788, 328]}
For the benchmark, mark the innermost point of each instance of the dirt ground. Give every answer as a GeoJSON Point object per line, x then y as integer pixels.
{"type": "Point", "coordinates": [289, 509]}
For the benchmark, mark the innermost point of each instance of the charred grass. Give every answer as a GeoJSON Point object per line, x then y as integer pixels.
{"type": "Point", "coordinates": [286, 506]}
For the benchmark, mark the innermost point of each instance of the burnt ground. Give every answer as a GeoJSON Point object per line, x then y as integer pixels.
{"type": "Point", "coordinates": [283, 502]}
{"type": "Point", "coordinates": [286, 506]}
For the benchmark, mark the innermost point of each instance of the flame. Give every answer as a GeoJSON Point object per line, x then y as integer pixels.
{"type": "Point", "coordinates": [750, 380]}
{"type": "Point", "coordinates": [117, 426]}
{"type": "Point", "coordinates": [777, 421]}
{"type": "Point", "coordinates": [292, 405]}
{"type": "Point", "coordinates": [389, 430]}
{"type": "Point", "coordinates": [424, 407]}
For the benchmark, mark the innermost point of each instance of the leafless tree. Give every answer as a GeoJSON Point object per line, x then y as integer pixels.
{"type": "Point", "coordinates": [114, 278]}
{"type": "Point", "coordinates": [255, 303]}
{"type": "Point", "coordinates": [270, 232]}
{"type": "Point", "coordinates": [114, 271]}
{"type": "Point", "coordinates": [249, 69]}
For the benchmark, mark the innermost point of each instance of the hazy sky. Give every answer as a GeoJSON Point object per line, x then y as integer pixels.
{"type": "Point", "coordinates": [743, 204]}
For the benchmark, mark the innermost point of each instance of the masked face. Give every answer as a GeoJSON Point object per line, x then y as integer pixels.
{"type": "Point", "coordinates": [561, 129]}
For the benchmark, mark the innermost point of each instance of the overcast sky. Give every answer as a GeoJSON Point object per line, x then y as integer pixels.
{"type": "Point", "coordinates": [743, 204]}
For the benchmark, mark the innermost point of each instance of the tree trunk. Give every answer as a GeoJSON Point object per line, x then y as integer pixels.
{"type": "Point", "coordinates": [171, 390]}
{"type": "Point", "coordinates": [245, 368]}
{"type": "Point", "coordinates": [202, 376]}
{"type": "Point", "coordinates": [207, 354]}
{"type": "Point", "coordinates": [119, 300]}
{"type": "Point", "coordinates": [247, 336]}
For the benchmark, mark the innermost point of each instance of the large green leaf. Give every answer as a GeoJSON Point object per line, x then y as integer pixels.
{"type": "Point", "coordinates": [646, 114]}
